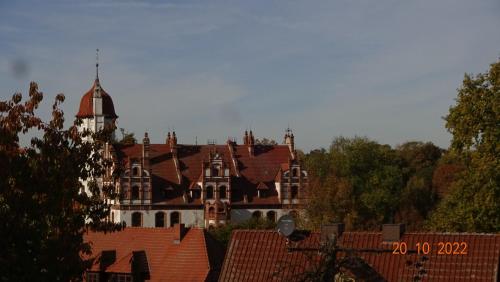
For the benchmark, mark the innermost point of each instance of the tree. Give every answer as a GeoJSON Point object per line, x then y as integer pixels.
{"type": "Point", "coordinates": [128, 138]}
{"type": "Point", "coordinates": [474, 121]}
{"type": "Point", "coordinates": [223, 233]}
{"type": "Point", "coordinates": [358, 182]}
{"type": "Point", "coordinates": [419, 196]}
{"type": "Point", "coordinates": [43, 209]}
{"type": "Point", "coordinates": [265, 141]}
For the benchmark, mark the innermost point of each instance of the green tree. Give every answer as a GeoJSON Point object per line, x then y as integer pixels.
{"type": "Point", "coordinates": [474, 121]}
{"type": "Point", "coordinates": [43, 209]}
{"type": "Point", "coordinates": [223, 233]}
{"type": "Point", "coordinates": [358, 182]}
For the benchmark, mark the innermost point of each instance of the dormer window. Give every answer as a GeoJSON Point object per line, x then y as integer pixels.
{"type": "Point", "coordinates": [295, 172]}
{"type": "Point", "coordinates": [215, 171]}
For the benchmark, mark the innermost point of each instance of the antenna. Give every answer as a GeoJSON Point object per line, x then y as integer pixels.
{"type": "Point", "coordinates": [286, 225]}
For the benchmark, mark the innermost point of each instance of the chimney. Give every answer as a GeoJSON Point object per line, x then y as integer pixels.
{"type": "Point", "coordinates": [179, 232]}
{"type": "Point", "coordinates": [251, 143]}
{"type": "Point", "coordinates": [331, 231]}
{"type": "Point", "coordinates": [392, 232]}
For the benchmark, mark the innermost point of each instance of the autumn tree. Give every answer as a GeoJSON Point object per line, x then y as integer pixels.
{"type": "Point", "coordinates": [358, 181]}
{"type": "Point", "coordinates": [474, 121]}
{"type": "Point", "coordinates": [43, 208]}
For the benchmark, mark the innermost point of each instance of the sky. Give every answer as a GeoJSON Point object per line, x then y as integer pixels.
{"type": "Point", "coordinates": [385, 69]}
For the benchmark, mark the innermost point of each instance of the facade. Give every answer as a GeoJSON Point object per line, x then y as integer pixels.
{"type": "Point", "coordinates": [265, 255]}
{"type": "Point", "coordinates": [154, 254]}
{"type": "Point", "coordinates": [161, 185]}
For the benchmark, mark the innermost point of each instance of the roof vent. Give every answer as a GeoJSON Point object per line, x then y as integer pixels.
{"type": "Point", "coordinates": [392, 232]}
{"type": "Point", "coordinates": [331, 231]}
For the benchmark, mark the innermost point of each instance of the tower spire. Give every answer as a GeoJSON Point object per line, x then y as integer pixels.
{"type": "Point", "coordinates": [97, 64]}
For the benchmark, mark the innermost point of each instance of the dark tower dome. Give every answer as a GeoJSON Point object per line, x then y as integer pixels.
{"type": "Point", "coordinates": [86, 104]}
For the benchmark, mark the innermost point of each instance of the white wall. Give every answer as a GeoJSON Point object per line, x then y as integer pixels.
{"type": "Point", "coordinates": [188, 217]}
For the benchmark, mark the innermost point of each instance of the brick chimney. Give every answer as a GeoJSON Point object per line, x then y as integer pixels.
{"type": "Point", "coordinates": [179, 232]}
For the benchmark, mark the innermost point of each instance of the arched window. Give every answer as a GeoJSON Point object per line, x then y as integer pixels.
{"type": "Point", "coordinates": [160, 219]}
{"type": "Point", "coordinates": [271, 216]}
{"type": "Point", "coordinates": [295, 192]}
{"type": "Point", "coordinates": [210, 192]}
{"type": "Point", "coordinates": [135, 192]}
{"type": "Point", "coordinates": [211, 212]}
{"type": "Point", "coordinates": [256, 214]}
{"type": "Point", "coordinates": [222, 192]}
{"type": "Point", "coordinates": [135, 171]}
{"type": "Point", "coordinates": [136, 219]}
{"type": "Point", "coordinates": [295, 172]}
{"type": "Point", "coordinates": [175, 218]}
{"type": "Point", "coordinates": [286, 174]}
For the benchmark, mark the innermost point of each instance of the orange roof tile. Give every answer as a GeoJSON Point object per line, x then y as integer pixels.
{"type": "Point", "coordinates": [190, 260]}
{"type": "Point", "coordinates": [263, 256]}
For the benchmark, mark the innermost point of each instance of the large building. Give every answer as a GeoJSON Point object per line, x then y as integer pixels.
{"type": "Point", "coordinates": [198, 185]}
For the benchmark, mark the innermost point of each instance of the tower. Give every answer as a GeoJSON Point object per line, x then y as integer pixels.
{"type": "Point", "coordinates": [96, 107]}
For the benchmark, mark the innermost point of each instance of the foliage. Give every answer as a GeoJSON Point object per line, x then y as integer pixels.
{"type": "Point", "coordinates": [364, 184]}
{"type": "Point", "coordinates": [223, 233]}
{"type": "Point", "coordinates": [128, 138]}
{"type": "Point", "coordinates": [265, 141]}
{"type": "Point", "coordinates": [358, 181]}
{"type": "Point", "coordinates": [43, 209]}
{"type": "Point", "coordinates": [474, 201]}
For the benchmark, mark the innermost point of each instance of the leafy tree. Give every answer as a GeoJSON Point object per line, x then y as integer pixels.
{"type": "Point", "coordinates": [419, 196]}
{"type": "Point", "coordinates": [223, 233]}
{"type": "Point", "coordinates": [265, 141]}
{"type": "Point", "coordinates": [358, 182]}
{"type": "Point", "coordinates": [474, 201]}
{"type": "Point", "coordinates": [43, 209]}
{"type": "Point", "coordinates": [128, 138]}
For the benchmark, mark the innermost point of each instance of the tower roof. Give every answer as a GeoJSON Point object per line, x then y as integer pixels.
{"type": "Point", "coordinates": [86, 104]}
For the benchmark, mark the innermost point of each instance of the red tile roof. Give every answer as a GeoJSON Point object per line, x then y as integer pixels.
{"type": "Point", "coordinates": [190, 260]}
{"type": "Point", "coordinates": [261, 167]}
{"type": "Point", "coordinates": [87, 106]}
{"type": "Point", "coordinates": [262, 256]}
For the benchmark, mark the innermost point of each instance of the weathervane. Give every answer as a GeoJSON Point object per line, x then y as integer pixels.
{"type": "Point", "coordinates": [97, 63]}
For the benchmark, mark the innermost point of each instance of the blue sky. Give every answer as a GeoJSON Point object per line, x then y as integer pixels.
{"type": "Point", "coordinates": [388, 70]}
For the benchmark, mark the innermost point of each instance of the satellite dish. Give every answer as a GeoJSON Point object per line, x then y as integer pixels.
{"type": "Point", "coordinates": [286, 225]}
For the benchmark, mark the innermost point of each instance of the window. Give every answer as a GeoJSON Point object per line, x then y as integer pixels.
{"type": "Point", "coordinates": [215, 171]}
{"type": "Point", "coordinates": [175, 218]}
{"type": "Point", "coordinates": [115, 277]}
{"type": "Point", "coordinates": [295, 172]}
{"type": "Point", "coordinates": [146, 193]}
{"type": "Point", "coordinates": [137, 219]}
{"type": "Point", "coordinates": [135, 171]}
{"type": "Point", "coordinates": [223, 192]}
{"type": "Point", "coordinates": [195, 194]}
{"type": "Point", "coordinates": [92, 277]}
{"type": "Point", "coordinates": [211, 212]}
{"type": "Point", "coordinates": [285, 193]}
{"type": "Point", "coordinates": [256, 214]}
{"type": "Point", "coordinates": [160, 219]}
{"type": "Point", "coordinates": [271, 216]}
{"type": "Point", "coordinates": [112, 216]}
{"type": "Point", "coordinates": [295, 192]}
{"type": "Point", "coordinates": [210, 192]}
{"type": "Point", "coordinates": [135, 193]}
